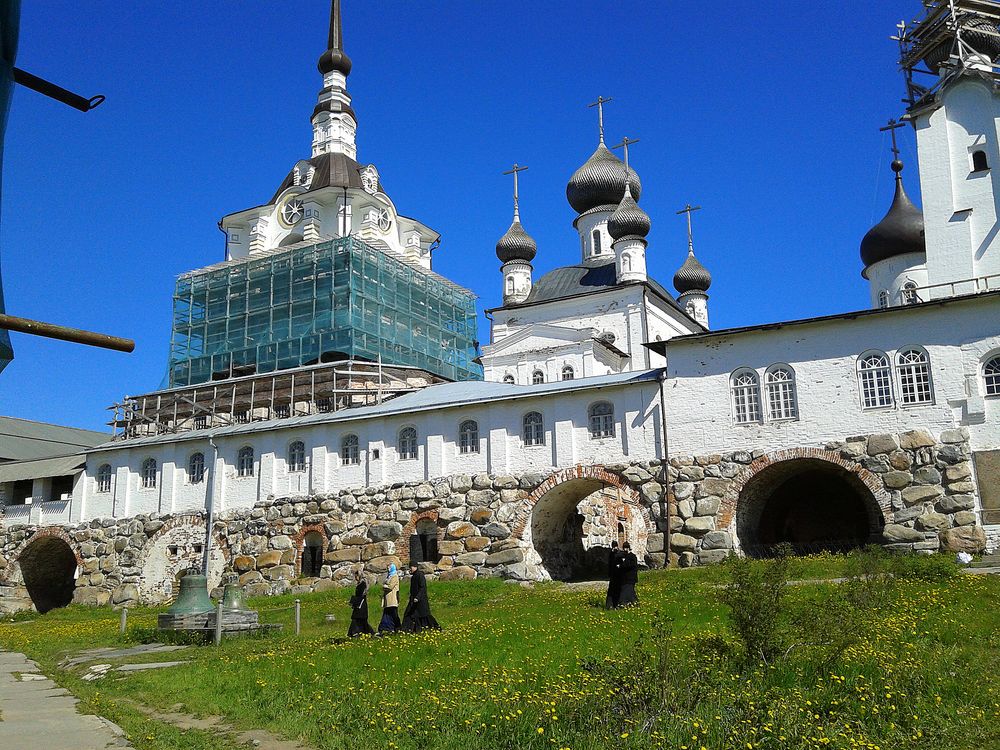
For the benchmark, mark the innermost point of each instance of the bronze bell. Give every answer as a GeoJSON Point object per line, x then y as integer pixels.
{"type": "Point", "coordinates": [193, 597]}
{"type": "Point", "coordinates": [232, 599]}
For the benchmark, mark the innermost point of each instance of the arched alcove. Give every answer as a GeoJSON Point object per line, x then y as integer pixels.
{"type": "Point", "coordinates": [48, 569]}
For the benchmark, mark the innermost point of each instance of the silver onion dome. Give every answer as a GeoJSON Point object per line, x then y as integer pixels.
{"type": "Point", "coordinates": [600, 182]}
{"type": "Point", "coordinates": [628, 220]}
{"type": "Point", "coordinates": [692, 276]}
{"type": "Point", "coordinates": [516, 244]}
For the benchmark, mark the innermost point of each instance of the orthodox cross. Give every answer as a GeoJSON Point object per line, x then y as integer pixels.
{"type": "Point", "coordinates": [689, 209]}
{"type": "Point", "coordinates": [626, 142]}
{"type": "Point", "coordinates": [892, 127]}
{"type": "Point", "coordinates": [601, 101]}
{"type": "Point", "coordinates": [514, 170]}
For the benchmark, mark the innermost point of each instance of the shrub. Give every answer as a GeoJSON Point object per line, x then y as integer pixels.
{"type": "Point", "coordinates": [755, 597]}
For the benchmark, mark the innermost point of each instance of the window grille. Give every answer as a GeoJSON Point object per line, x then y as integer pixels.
{"type": "Point", "coordinates": [468, 437]}
{"type": "Point", "coordinates": [241, 417]}
{"type": "Point", "coordinates": [910, 296]}
{"type": "Point", "coordinates": [200, 422]}
{"type": "Point", "coordinates": [568, 373]}
{"type": "Point", "coordinates": [534, 434]}
{"type": "Point", "coordinates": [602, 420]}
{"type": "Point", "coordinates": [597, 242]}
{"type": "Point", "coordinates": [244, 462]}
{"type": "Point", "coordinates": [991, 376]}
{"type": "Point", "coordinates": [537, 377]}
{"type": "Point", "coordinates": [196, 468]}
{"type": "Point", "coordinates": [781, 401]}
{"type": "Point", "coordinates": [407, 443]}
{"type": "Point", "coordinates": [875, 381]}
{"type": "Point", "coordinates": [324, 405]}
{"type": "Point", "coordinates": [104, 478]}
{"type": "Point", "coordinates": [282, 411]}
{"type": "Point", "coordinates": [297, 456]}
{"type": "Point", "coordinates": [914, 373]}
{"type": "Point", "coordinates": [148, 475]}
{"type": "Point", "coordinates": [508, 379]}
{"type": "Point", "coordinates": [746, 397]}
{"type": "Point", "coordinates": [350, 454]}
{"type": "Point", "coordinates": [883, 299]}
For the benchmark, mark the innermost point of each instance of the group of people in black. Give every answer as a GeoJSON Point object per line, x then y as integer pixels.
{"type": "Point", "coordinates": [623, 575]}
{"type": "Point", "coordinates": [417, 616]}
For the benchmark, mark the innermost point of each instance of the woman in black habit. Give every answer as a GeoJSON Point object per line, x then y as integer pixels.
{"type": "Point", "coordinates": [630, 577]}
{"type": "Point", "coordinates": [359, 609]}
{"type": "Point", "coordinates": [614, 577]}
{"type": "Point", "coordinates": [418, 610]}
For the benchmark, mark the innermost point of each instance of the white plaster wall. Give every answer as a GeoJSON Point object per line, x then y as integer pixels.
{"type": "Point", "coordinates": [892, 273]}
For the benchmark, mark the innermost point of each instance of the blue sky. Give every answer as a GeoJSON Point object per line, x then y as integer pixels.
{"type": "Point", "coordinates": [766, 113]}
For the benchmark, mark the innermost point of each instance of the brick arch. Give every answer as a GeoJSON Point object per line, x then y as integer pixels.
{"type": "Point", "coordinates": [403, 543]}
{"type": "Point", "coordinates": [730, 505]}
{"type": "Point", "coordinates": [299, 540]}
{"type": "Point", "coordinates": [49, 531]}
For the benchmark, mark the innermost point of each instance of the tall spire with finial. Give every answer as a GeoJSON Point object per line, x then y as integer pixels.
{"type": "Point", "coordinates": [601, 101]}
{"type": "Point", "coordinates": [333, 119]}
{"type": "Point", "coordinates": [335, 58]}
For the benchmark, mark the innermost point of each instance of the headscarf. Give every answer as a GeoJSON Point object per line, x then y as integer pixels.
{"type": "Point", "coordinates": [392, 569]}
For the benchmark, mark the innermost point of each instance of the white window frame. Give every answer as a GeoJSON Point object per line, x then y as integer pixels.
{"type": "Point", "coordinates": [195, 476]}
{"type": "Point", "coordinates": [533, 433]}
{"type": "Point", "coordinates": [883, 299]}
{"type": "Point", "coordinates": [601, 420]}
{"type": "Point", "coordinates": [103, 478]}
{"type": "Point", "coordinates": [908, 293]}
{"type": "Point", "coordinates": [908, 377]}
{"type": "Point", "coordinates": [537, 377]}
{"type": "Point", "coordinates": [468, 437]}
{"type": "Point", "coordinates": [991, 375]}
{"type": "Point", "coordinates": [147, 474]}
{"type": "Point", "coordinates": [245, 468]}
{"type": "Point", "coordinates": [296, 456]}
{"type": "Point", "coordinates": [744, 397]}
{"type": "Point", "coordinates": [508, 379]}
{"type": "Point", "coordinates": [350, 450]}
{"type": "Point", "coordinates": [875, 381]}
{"type": "Point", "coordinates": [782, 398]}
{"type": "Point", "coordinates": [568, 370]}
{"type": "Point", "coordinates": [406, 444]}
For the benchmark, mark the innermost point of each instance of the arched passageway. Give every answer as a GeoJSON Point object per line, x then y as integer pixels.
{"type": "Point", "coordinates": [48, 568]}
{"type": "Point", "coordinates": [810, 504]}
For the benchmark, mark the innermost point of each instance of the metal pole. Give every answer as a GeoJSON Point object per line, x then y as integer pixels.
{"type": "Point", "coordinates": [218, 623]}
{"type": "Point", "coordinates": [63, 333]}
{"type": "Point", "coordinates": [298, 616]}
{"type": "Point", "coordinates": [51, 90]}
{"type": "Point", "coordinates": [124, 620]}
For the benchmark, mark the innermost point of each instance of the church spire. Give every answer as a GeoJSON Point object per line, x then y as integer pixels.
{"type": "Point", "coordinates": [335, 58]}
{"type": "Point", "coordinates": [333, 119]}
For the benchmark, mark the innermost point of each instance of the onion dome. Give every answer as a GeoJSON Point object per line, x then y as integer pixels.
{"type": "Point", "coordinates": [600, 182]}
{"type": "Point", "coordinates": [335, 58]}
{"type": "Point", "coordinates": [900, 232]}
{"type": "Point", "coordinates": [692, 276]}
{"type": "Point", "coordinates": [628, 220]}
{"type": "Point", "coordinates": [978, 32]}
{"type": "Point", "coordinates": [516, 244]}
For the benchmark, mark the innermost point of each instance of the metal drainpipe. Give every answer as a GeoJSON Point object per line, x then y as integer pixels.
{"type": "Point", "coordinates": [664, 461]}
{"type": "Point", "coordinates": [210, 507]}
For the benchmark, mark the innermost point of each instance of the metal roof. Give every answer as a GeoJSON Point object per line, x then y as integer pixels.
{"type": "Point", "coordinates": [14, 471]}
{"type": "Point", "coordinates": [432, 398]}
{"type": "Point", "coordinates": [25, 440]}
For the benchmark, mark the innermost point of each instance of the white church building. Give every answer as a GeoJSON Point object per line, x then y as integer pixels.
{"type": "Point", "coordinates": [328, 411]}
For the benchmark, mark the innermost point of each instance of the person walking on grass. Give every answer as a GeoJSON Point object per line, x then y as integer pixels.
{"type": "Point", "coordinates": [630, 577]}
{"type": "Point", "coordinates": [615, 559]}
{"type": "Point", "coordinates": [359, 609]}
{"type": "Point", "coordinates": [390, 602]}
{"type": "Point", "coordinates": [418, 610]}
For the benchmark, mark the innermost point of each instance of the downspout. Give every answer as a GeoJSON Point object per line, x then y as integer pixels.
{"type": "Point", "coordinates": [210, 506]}
{"type": "Point", "coordinates": [222, 229]}
{"type": "Point", "coordinates": [664, 463]}
{"type": "Point", "coordinates": [489, 316]}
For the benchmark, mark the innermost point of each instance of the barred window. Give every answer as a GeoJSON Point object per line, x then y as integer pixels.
{"type": "Point", "coordinates": [200, 422]}
{"type": "Point", "coordinates": [468, 436]}
{"type": "Point", "coordinates": [324, 405]}
{"type": "Point", "coordinates": [602, 420]}
{"type": "Point", "coordinates": [282, 411]}
{"type": "Point", "coordinates": [196, 468]}
{"type": "Point", "coordinates": [533, 433]}
{"type": "Point", "coordinates": [241, 417]}
{"type": "Point", "coordinates": [746, 397]}
{"type": "Point", "coordinates": [244, 462]}
{"type": "Point", "coordinates": [568, 373]}
{"type": "Point", "coordinates": [781, 401]}
{"type": "Point", "coordinates": [914, 373]}
{"type": "Point", "coordinates": [875, 381]}
{"type": "Point", "coordinates": [991, 376]}
{"type": "Point", "coordinates": [537, 377]}
{"type": "Point", "coordinates": [350, 454]}
{"type": "Point", "coordinates": [148, 474]}
{"type": "Point", "coordinates": [297, 456]}
{"type": "Point", "coordinates": [104, 478]}
{"type": "Point", "coordinates": [407, 443]}
{"type": "Point", "coordinates": [508, 379]}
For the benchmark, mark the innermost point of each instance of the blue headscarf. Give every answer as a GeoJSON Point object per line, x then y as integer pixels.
{"type": "Point", "coordinates": [392, 569]}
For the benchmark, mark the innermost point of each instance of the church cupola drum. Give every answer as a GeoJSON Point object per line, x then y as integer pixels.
{"type": "Point", "coordinates": [628, 227]}
{"type": "Point", "coordinates": [516, 249]}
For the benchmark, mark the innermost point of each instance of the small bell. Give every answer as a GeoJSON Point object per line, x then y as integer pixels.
{"type": "Point", "coordinates": [193, 597]}
{"type": "Point", "coordinates": [232, 598]}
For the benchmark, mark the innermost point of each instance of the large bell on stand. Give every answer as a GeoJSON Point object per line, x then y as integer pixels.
{"type": "Point", "coordinates": [193, 598]}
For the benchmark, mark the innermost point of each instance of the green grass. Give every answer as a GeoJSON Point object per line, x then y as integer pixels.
{"type": "Point", "coordinates": [529, 668]}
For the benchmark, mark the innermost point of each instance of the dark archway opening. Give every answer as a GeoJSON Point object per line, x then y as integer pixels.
{"type": "Point", "coordinates": [312, 554]}
{"type": "Point", "coordinates": [48, 567]}
{"type": "Point", "coordinates": [808, 506]}
{"type": "Point", "coordinates": [561, 521]}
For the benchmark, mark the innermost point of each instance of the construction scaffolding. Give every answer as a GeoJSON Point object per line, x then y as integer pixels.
{"type": "Point", "coordinates": [301, 392]}
{"type": "Point", "coordinates": [311, 303]}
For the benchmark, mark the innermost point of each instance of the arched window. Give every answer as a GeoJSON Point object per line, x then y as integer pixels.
{"type": "Point", "coordinates": [508, 379]}
{"type": "Point", "coordinates": [979, 161]}
{"type": "Point", "coordinates": [914, 372]}
{"type": "Point", "coordinates": [874, 380]}
{"type": "Point", "coordinates": [104, 478]}
{"type": "Point", "coordinates": [468, 436]}
{"type": "Point", "coordinates": [597, 242]}
{"type": "Point", "coordinates": [196, 468]}
{"type": "Point", "coordinates": [909, 293]}
{"type": "Point", "coordinates": [407, 443]}
{"type": "Point", "coordinates": [312, 554]}
{"type": "Point", "coordinates": [533, 434]}
{"type": "Point", "coordinates": [297, 456]}
{"type": "Point", "coordinates": [781, 401]}
{"type": "Point", "coordinates": [601, 417]}
{"type": "Point", "coordinates": [883, 299]}
{"type": "Point", "coordinates": [148, 474]}
{"type": "Point", "coordinates": [626, 263]}
{"type": "Point", "coordinates": [510, 285]}
{"type": "Point", "coordinates": [991, 376]}
{"type": "Point", "coordinates": [350, 455]}
{"type": "Point", "coordinates": [537, 377]}
{"type": "Point", "coordinates": [568, 373]}
{"type": "Point", "coordinates": [746, 397]}
{"type": "Point", "coordinates": [244, 462]}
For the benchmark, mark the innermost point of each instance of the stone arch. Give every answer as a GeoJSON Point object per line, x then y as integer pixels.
{"type": "Point", "coordinates": [299, 541]}
{"type": "Point", "coordinates": [864, 505]}
{"type": "Point", "coordinates": [588, 502]}
{"type": "Point", "coordinates": [174, 549]}
{"type": "Point", "coordinates": [46, 564]}
{"type": "Point", "coordinates": [403, 544]}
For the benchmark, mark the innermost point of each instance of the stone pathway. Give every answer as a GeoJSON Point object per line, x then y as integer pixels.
{"type": "Point", "coordinates": [37, 713]}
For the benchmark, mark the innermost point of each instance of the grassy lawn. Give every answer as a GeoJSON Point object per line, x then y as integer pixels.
{"type": "Point", "coordinates": [536, 668]}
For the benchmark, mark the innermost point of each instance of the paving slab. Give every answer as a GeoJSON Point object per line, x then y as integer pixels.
{"type": "Point", "coordinates": [117, 653]}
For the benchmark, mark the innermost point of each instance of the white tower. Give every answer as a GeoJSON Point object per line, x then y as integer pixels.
{"type": "Point", "coordinates": [516, 249]}
{"type": "Point", "coordinates": [692, 279]}
{"type": "Point", "coordinates": [334, 122]}
{"type": "Point", "coordinates": [628, 227]}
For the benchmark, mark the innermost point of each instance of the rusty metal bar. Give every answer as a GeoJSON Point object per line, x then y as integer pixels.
{"type": "Point", "coordinates": [58, 93]}
{"type": "Point", "coordinates": [76, 335]}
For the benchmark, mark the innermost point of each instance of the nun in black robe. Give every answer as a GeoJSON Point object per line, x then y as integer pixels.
{"type": "Point", "coordinates": [630, 577]}
{"type": "Point", "coordinates": [359, 610]}
{"type": "Point", "coordinates": [418, 615]}
{"type": "Point", "coordinates": [614, 577]}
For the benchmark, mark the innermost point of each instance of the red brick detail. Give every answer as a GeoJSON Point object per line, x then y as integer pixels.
{"type": "Point", "coordinates": [49, 531]}
{"type": "Point", "coordinates": [728, 507]}
{"type": "Point", "coordinates": [300, 539]}
{"type": "Point", "coordinates": [403, 543]}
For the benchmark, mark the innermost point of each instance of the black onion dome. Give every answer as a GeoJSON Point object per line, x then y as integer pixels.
{"type": "Point", "coordinates": [978, 32]}
{"type": "Point", "coordinates": [692, 276]}
{"type": "Point", "coordinates": [900, 232]}
{"type": "Point", "coordinates": [516, 244]}
{"type": "Point", "coordinates": [335, 58]}
{"type": "Point", "coordinates": [600, 182]}
{"type": "Point", "coordinates": [628, 220]}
